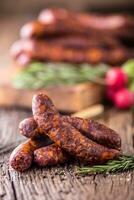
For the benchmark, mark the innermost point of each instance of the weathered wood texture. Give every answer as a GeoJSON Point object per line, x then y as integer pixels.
{"type": "Point", "coordinates": [62, 182]}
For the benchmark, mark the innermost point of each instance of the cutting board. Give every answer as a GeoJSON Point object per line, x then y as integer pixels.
{"type": "Point", "coordinates": [66, 98]}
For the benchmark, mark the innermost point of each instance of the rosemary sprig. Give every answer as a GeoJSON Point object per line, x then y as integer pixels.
{"type": "Point", "coordinates": [123, 163]}
{"type": "Point", "coordinates": [40, 75]}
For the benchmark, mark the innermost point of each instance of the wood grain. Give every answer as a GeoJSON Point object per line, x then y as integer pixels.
{"type": "Point", "coordinates": [62, 182]}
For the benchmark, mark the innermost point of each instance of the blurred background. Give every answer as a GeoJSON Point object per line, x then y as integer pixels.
{"type": "Point", "coordinates": [97, 43]}
{"type": "Point", "coordinates": [13, 14]}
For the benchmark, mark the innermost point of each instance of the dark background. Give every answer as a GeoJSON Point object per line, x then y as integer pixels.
{"type": "Point", "coordinates": [34, 6]}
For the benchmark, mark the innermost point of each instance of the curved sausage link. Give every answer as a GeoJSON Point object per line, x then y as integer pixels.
{"type": "Point", "coordinates": [22, 156]}
{"type": "Point", "coordinates": [95, 131]}
{"type": "Point", "coordinates": [55, 21]}
{"type": "Point", "coordinates": [45, 51]}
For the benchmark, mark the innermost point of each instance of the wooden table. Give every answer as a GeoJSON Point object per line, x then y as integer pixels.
{"type": "Point", "coordinates": [61, 182]}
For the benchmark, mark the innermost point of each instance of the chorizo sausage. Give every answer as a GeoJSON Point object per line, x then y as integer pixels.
{"type": "Point", "coordinates": [95, 131]}
{"type": "Point", "coordinates": [22, 156]}
{"type": "Point", "coordinates": [67, 137]}
{"type": "Point", "coordinates": [70, 41]}
{"type": "Point", "coordinates": [50, 155]}
{"type": "Point", "coordinates": [84, 149]}
{"type": "Point", "coordinates": [41, 50]}
{"type": "Point", "coordinates": [52, 21]}
{"type": "Point", "coordinates": [29, 128]}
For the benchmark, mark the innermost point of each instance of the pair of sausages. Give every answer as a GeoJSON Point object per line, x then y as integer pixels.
{"type": "Point", "coordinates": [85, 140]}
{"type": "Point", "coordinates": [39, 151]}
{"type": "Point", "coordinates": [22, 156]}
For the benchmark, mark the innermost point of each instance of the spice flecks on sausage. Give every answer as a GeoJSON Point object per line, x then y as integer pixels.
{"type": "Point", "coordinates": [95, 131]}
{"type": "Point", "coordinates": [50, 155]}
{"type": "Point", "coordinates": [28, 127]}
{"type": "Point", "coordinates": [22, 156]}
{"type": "Point", "coordinates": [73, 142]}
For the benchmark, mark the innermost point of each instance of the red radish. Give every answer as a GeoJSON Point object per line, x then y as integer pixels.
{"type": "Point", "coordinates": [116, 78]}
{"type": "Point", "coordinates": [110, 93]}
{"type": "Point", "coordinates": [124, 99]}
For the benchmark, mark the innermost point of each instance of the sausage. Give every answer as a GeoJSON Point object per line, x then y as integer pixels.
{"type": "Point", "coordinates": [90, 128]}
{"type": "Point", "coordinates": [67, 137]}
{"type": "Point", "coordinates": [33, 29]}
{"type": "Point", "coordinates": [29, 128]}
{"type": "Point", "coordinates": [39, 29]}
{"type": "Point", "coordinates": [36, 29]}
{"type": "Point", "coordinates": [44, 51]}
{"type": "Point", "coordinates": [83, 42]}
{"type": "Point", "coordinates": [84, 149]}
{"type": "Point", "coordinates": [22, 156]}
{"type": "Point", "coordinates": [52, 21]}
{"type": "Point", "coordinates": [50, 155]}
{"type": "Point", "coordinates": [95, 131]}
{"type": "Point", "coordinates": [71, 41]}
{"type": "Point", "coordinates": [88, 20]}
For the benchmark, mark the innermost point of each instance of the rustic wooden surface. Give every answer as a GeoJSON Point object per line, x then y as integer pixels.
{"type": "Point", "coordinates": [61, 182]}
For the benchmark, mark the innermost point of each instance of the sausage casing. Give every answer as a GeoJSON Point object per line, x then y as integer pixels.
{"type": "Point", "coordinates": [45, 51]}
{"type": "Point", "coordinates": [50, 155]}
{"type": "Point", "coordinates": [95, 131]}
{"type": "Point", "coordinates": [22, 156]}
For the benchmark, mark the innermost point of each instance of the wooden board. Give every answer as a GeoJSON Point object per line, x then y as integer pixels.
{"type": "Point", "coordinates": [61, 182]}
{"type": "Point", "coordinates": [66, 98]}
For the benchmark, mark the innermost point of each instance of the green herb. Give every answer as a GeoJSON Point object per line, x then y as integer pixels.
{"type": "Point", "coordinates": [40, 75]}
{"type": "Point", "coordinates": [128, 68]}
{"type": "Point", "coordinates": [131, 86]}
{"type": "Point", "coordinates": [123, 163]}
